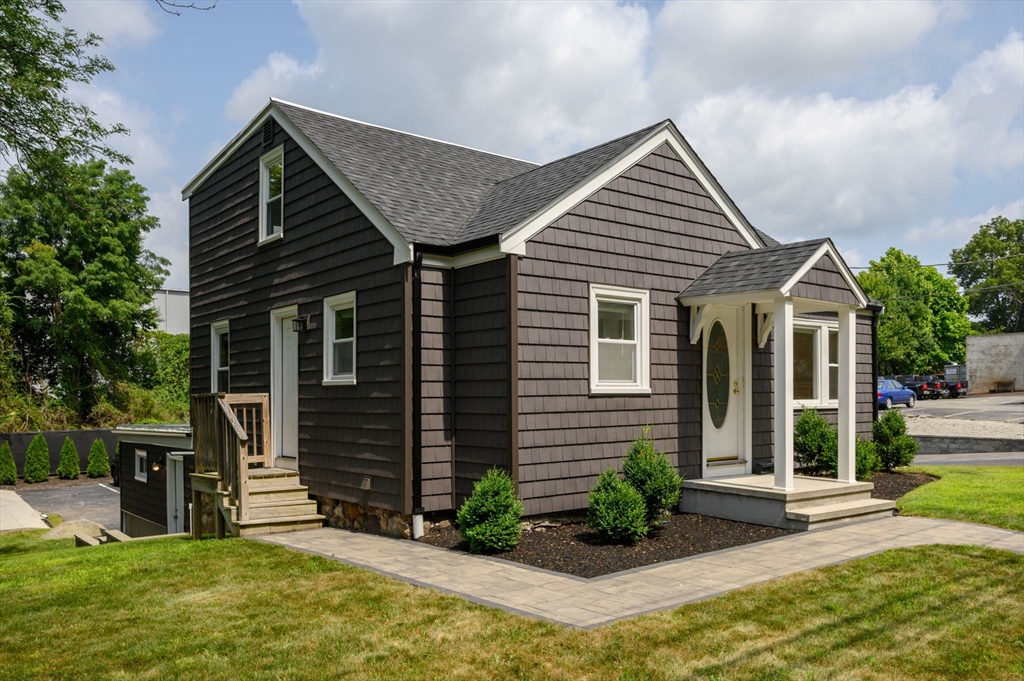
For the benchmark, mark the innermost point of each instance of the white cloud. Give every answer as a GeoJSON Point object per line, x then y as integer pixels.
{"type": "Point", "coordinates": [148, 143]}
{"type": "Point", "coordinates": [955, 232]}
{"type": "Point", "coordinates": [118, 22]}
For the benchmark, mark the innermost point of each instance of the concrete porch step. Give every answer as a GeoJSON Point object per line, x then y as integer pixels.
{"type": "Point", "coordinates": [811, 517]}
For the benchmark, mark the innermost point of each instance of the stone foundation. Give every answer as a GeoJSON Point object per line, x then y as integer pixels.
{"type": "Point", "coordinates": [207, 509]}
{"type": "Point", "coordinates": [349, 516]}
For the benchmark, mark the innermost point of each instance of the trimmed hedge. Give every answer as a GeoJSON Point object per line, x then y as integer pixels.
{"type": "Point", "coordinates": [8, 469]}
{"type": "Point", "coordinates": [99, 462]}
{"type": "Point", "coordinates": [617, 511]}
{"type": "Point", "coordinates": [895, 447]}
{"type": "Point", "coordinates": [490, 519]}
{"type": "Point", "coordinates": [69, 467]}
{"type": "Point", "coordinates": [652, 475]}
{"type": "Point", "coordinates": [37, 460]}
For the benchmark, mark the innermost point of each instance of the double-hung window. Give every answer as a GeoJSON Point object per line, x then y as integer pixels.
{"type": "Point", "coordinates": [220, 354]}
{"type": "Point", "coordinates": [340, 339]}
{"type": "Point", "coordinates": [815, 363]}
{"type": "Point", "coordinates": [619, 340]}
{"type": "Point", "coordinates": [272, 195]}
{"type": "Point", "coordinates": [141, 465]}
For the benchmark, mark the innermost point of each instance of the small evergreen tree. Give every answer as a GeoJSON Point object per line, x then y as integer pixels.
{"type": "Point", "coordinates": [99, 462]}
{"type": "Point", "coordinates": [37, 460]}
{"type": "Point", "coordinates": [617, 511]}
{"type": "Point", "coordinates": [8, 470]}
{"type": "Point", "coordinates": [490, 518]}
{"type": "Point", "coordinates": [652, 475]}
{"type": "Point", "coordinates": [895, 448]}
{"type": "Point", "coordinates": [69, 467]}
{"type": "Point", "coordinates": [815, 441]}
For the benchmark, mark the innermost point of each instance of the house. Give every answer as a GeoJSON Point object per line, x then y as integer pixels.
{"type": "Point", "coordinates": [378, 318]}
{"type": "Point", "coordinates": [172, 307]}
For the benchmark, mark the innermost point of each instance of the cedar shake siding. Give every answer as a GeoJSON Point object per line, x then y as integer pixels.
{"type": "Point", "coordinates": [824, 282]}
{"type": "Point", "coordinates": [763, 402]}
{"type": "Point", "coordinates": [329, 247]}
{"type": "Point", "coordinates": [436, 388]}
{"type": "Point", "coordinates": [481, 364]}
{"type": "Point", "coordinates": [652, 228]}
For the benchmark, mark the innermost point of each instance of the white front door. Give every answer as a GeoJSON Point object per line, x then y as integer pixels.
{"type": "Point", "coordinates": [175, 495]}
{"type": "Point", "coordinates": [724, 387]}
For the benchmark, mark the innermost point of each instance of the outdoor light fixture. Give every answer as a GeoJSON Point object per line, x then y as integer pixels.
{"type": "Point", "coordinates": [300, 324]}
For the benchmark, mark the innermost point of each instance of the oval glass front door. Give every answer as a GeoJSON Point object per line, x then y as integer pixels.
{"type": "Point", "coordinates": [717, 384]}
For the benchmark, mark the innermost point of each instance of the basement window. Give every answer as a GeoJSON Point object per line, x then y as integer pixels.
{"type": "Point", "coordinates": [272, 195]}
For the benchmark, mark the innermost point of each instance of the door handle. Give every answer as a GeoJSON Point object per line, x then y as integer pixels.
{"type": "Point", "coordinates": [735, 387]}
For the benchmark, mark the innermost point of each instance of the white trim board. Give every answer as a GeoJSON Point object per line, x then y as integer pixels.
{"type": "Point", "coordinates": [454, 262]}
{"type": "Point", "coordinates": [516, 237]}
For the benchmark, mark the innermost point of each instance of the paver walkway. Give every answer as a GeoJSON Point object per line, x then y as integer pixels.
{"type": "Point", "coordinates": [15, 514]}
{"type": "Point", "coordinates": [589, 603]}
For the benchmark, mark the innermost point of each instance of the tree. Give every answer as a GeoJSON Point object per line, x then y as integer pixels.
{"type": "Point", "coordinates": [99, 463]}
{"type": "Point", "coordinates": [1000, 303]}
{"type": "Point", "coordinates": [79, 279]}
{"type": "Point", "coordinates": [924, 324]}
{"type": "Point", "coordinates": [70, 466]}
{"type": "Point", "coordinates": [38, 59]}
{"type": "Point", "coordinates": [8, 470]}
{"type": "Point", "coordinates": [37, 460]}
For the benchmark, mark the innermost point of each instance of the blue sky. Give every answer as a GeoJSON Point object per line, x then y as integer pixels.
{"type": "Point", "coordinates": [878, 124]}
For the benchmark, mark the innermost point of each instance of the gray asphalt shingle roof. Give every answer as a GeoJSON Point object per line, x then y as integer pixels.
{"type": "Point", "coordinates": [761, 269]}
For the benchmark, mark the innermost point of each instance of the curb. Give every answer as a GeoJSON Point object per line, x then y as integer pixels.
{"type": "Point", "coordinates": [941, 444]}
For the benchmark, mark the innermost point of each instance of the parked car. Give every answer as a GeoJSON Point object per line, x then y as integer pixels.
{"type": "Point", "coordinates": [892, 392]}
{"type": "Point", "coordinates": [914, 383]}
{"type": "Point", "coordinates": [956, 379]}
{"type": "Point", "coordinates": [936, 384]}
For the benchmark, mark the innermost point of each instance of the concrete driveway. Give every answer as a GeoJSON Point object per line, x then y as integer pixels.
{"type": "Point", "coordinates": [1007, 407]}
{"type": "Point", "coordinates": [98, 503]}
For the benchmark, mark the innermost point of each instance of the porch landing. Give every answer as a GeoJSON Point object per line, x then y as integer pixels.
{"type": "Point", "coordinates": [812, 503]}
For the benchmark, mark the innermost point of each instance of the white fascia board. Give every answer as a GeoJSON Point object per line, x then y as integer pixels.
{"type": "Point", "coordinates": [827, 248]}
{"type": "Point", "coordinates": [753, 297]}
{"type": "Point", "coordinates": [454, 262]}
{"type": "Point", "coordinates": [513, 241]}
{"type": "Point", "coordinates": [403, 249]}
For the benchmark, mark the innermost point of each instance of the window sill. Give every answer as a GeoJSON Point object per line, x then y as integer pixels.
{"type": "Point", "coordinates": [339, 381]}
{"type": "Point", "coordinates": [815, 405]}
{"type": "Point", "coordinates": [270, 239]}
{"type": "Point", "coordinates": [138, 479]}
{"type": "Point", "coordinates": [618, 390]}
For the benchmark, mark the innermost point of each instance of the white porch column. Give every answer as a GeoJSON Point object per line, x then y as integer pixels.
{"type": "Point", "coordinates": [783, 374]}
{"type": "Point", "coordinates": [847, 394]}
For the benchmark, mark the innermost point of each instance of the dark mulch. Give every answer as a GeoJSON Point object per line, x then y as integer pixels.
{"type": "Point", "coordinates": [892, 486]}
{"type": "Point", "coordinates": [54, 482]}
{"type": "Point", "coordinates": [574, 548]}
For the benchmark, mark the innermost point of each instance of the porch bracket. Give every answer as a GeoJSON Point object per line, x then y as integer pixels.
{"type": "Point", "coordinates": [764, 327]}
{"type": "Point", "coordinates": [696, 322]}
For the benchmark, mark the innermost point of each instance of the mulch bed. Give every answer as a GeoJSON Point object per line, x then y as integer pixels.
{"type": "Point", "coordinates": [574, 548]}
{"type": "Point", "coordinates": [892, 486]}
{"type": "Point", "coordinates": [54, 482]}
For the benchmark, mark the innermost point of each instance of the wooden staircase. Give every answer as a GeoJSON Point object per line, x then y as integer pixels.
{"type": "Point", "coordinates": [231, 436]}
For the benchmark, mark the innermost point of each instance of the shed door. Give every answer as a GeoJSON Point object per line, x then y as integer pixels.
{"type": "Point", "coordinates": [175, 495]}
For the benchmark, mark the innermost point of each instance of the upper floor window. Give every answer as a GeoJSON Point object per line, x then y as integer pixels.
{"type": "Point", "coordinates": [220, 355]}
{"type": "Point", "coordinates": [340, 339]}
{"type": "Point", "coordinates": [619, 340]}
{"type": "Point", "coordinates": [272, 194]}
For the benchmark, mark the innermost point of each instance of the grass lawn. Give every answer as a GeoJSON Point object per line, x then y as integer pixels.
{"type": "Point", "coordinates": [993, 495]}
{"type": "Point", "coordinates": [235, 609]}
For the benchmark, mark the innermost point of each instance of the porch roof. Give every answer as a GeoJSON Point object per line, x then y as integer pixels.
{"type": "Point", "coordinates": [811, 270]}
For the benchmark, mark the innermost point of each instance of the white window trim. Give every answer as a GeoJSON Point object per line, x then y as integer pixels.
{"type": "Point", "coordinates": [217, 328]}
{"type": "Point", "coordinates": [141, 455]}
{"type": "Point", "coordinates": [340, 301]}
{"type": "Point", "coordinates": [266, 159]}
{"type": "Point", "coordinates": [619, 294]}
{"type": "Point", "coordinates": [821, 329]}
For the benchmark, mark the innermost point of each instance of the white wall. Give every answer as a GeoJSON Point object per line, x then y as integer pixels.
{"type": "Point", "coordinates": [999, 357]}
{"type": "Point", "coordinates": [172, 306]}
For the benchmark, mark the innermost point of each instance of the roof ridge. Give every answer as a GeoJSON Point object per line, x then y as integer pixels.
{"type": "Point", "coordinates": [403, 132]}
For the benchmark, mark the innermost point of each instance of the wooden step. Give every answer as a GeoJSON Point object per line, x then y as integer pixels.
{"type": "Point", "coordinates": [265, 495]}
{"type": "Point", "coordinates": [272, 477]}
{"type": "Point", "coordinates": [252, 528]}
{"type": "Point", "coordinates": [827, 514]}
{"type": "Point", "coordinates": [278, 509]}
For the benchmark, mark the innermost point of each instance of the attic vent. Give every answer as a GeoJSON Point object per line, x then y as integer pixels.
{"type": "Point", "coordinates": [268, 132]}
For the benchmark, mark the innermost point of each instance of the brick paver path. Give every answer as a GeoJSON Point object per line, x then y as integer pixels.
{"type": "Point", "coordinates": [595, 602]}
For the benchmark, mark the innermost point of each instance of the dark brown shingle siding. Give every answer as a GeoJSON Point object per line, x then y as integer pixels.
{"type": "Point", "coordinates": [824, 282]}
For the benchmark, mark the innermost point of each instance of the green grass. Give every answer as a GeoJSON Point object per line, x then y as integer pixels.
{"type": "Point", "coordinates": [235, 609]}
{"type": "Point", "coordinates": [992, 495]}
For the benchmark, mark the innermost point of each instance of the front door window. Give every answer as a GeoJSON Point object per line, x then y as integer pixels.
{"type": "Point", "coordinates": [717, 378]}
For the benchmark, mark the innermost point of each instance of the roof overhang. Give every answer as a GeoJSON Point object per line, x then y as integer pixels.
{"type": "Point", "coordinates": [403, 249]}
{"type": "Point", "coordinates": [514, 240]}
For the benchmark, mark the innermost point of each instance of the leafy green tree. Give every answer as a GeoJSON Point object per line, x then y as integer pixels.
{"type": "Point", "coordinates": [1000, 306]}
{"type": "Point", "coordinates": [164, 368]}
{"type": "Point", "coordinates": [924, 324]}
{"type": "Point", "coordinates": [37, 460]}
{"type": "Point", "coordinates": [70, 466]}
{"type": "Point", "coordinates": [8, 469]}
{"type": "Point", "coordinates": [78, 277]}
{"type": "Point", "coordinates": [38, 60]}
{"type": "Point", "coordinates": [99, 462]}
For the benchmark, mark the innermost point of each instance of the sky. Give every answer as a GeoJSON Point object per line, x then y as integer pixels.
{"type": "Point", "coordinates": [877, 124]}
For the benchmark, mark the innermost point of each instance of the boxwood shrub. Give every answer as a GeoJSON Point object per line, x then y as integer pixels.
{"type": "Point", "coordinates": [815, 441]}
{"type": "Point", "coordinates": [895, 447]}
{"type": "Point", "coordinates": [490, 518]}
{"type": "Point", "coordinates": [99, 462]}
{"type": "Point", "coordinates": [617, 511]}
{"type": "Point", "coordinates": [8, 470]}
{"type": "Point", "coordinates": [37, 460]}
{"type": "Point", "coordinates": [652, 475]}
{"type": "Point", "coordinates": [69, 467]}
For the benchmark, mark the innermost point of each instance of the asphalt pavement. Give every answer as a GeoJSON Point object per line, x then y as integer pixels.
{"type": "Point", "coordinates": [99, 503]}
{"type": "Point", "coordinates": [1008, 407]}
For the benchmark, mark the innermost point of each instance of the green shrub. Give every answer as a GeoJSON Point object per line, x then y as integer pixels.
{"type": "Point", "coordinates": [815, 441]}
{"type": "Point", "coordinates": [490, 519]}
{"type": "Point", "coordinates": [617, 511]}
{"type": "Point", "coordinates": [652, 475]}
{"type": "Point", "coordinates": [69, 467]}
{"type": "Point", "coordinates": [37, 460]}
{"type": "Point", "coordinates": [867, 462]}
{"type": "Point", "coordinates": [99, 462]}
{"type": "Point", "coordinates": [895, 448]}
{"type": "Point", "coordinates": [8, 471]}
